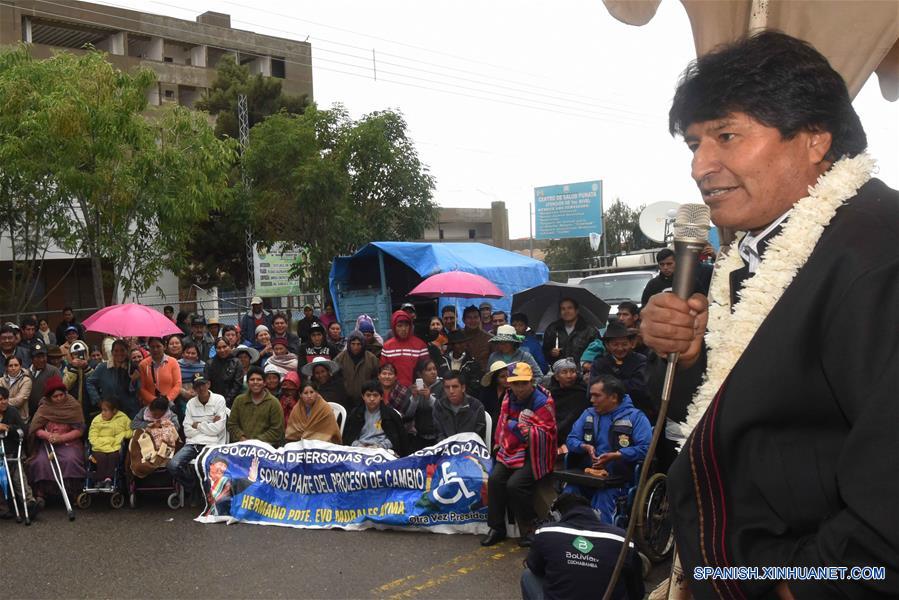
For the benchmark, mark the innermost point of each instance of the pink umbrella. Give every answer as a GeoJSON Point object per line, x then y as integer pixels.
{"type": "Point", "coordinates": [457, 284]}
{"type": "Point", "coordinates": [123, 320]}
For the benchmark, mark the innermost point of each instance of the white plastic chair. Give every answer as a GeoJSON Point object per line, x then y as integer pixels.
{"type": "Point", "coordinates": [339, 414]}
{"type": "Point", "coordinates": [488, 431]}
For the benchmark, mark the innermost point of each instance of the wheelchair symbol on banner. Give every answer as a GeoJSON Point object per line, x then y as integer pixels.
{"type": "Point", "coordinates": [447, 478]}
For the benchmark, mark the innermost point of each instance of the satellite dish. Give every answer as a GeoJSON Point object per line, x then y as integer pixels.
{"type": "Point", "coordinates": [654, 219]}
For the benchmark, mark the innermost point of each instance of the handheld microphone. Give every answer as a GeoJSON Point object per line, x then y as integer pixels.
{"type": "Point", "coordinates": [691, 234]}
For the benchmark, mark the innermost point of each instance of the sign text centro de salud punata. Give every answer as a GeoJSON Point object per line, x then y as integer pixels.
{"type": "Point", "coordinates": [568, 211]}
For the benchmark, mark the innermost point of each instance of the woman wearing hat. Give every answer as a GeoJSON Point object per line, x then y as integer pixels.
{"type": "Point", "coordinates": [569, 393]}
{"type": "Point", "coordinates": [58, 421]}
{"type": "Point", "coordinates": [322, 372]}
{"type": "Point", "coordinates": [507, 349]}
{"type": "Point", "coordinates": [263, 344]}
{"type": "Point", "coordinates": [625, 365]}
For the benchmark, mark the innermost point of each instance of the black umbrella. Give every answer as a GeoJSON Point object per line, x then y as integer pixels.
{"type": "Point", "coordinates": [541, 304]}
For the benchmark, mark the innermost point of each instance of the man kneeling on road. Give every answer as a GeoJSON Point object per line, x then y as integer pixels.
{"type": "Point", "coordinates": [574, 557]}
{"type": "Point", "coordinates": [205, 422]}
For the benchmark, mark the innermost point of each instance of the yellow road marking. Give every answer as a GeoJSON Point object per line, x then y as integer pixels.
{"type": "Point", "coordinates": [437, 575]}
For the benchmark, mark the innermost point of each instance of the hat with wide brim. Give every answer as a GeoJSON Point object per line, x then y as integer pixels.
{"type": "Point", "coordinates": [253, 352]}
{"type": "Point", "coordinates": [497, 365]}
{"type": "Point", "coordinates": [616, 330]}
{"type": "Point", "coordinates": [307, 369]}
{"type": "Point", "coordinates": [505, 333]}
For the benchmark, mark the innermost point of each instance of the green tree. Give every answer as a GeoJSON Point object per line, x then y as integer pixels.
{"type": "Point", "coordinates": [325, 183]}
{"type": "Point", "coordinates": [264, 97]}
{"type": "Point", "coordinates": [131, 188]}
{"type": "Point", "coordinates": [212, 262]}
{"type": "Point", "coordinates": [569, 254]}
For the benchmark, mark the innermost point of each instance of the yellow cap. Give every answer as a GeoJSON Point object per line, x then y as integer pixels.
{"type": "Point", "coordinates": [520, 372]}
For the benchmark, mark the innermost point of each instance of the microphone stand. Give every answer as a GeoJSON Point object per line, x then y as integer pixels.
{"type": "Point", "coordinates": [644, 474]}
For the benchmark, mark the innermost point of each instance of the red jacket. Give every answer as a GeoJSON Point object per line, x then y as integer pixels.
{"type": "Point", "coordinates": [403, 354]}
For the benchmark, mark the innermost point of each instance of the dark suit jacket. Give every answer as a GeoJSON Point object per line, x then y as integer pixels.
{"type": "Point", "coordinates": [795, 462]}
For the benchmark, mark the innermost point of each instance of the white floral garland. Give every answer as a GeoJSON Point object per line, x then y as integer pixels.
{"type": "Point", "coordinates": [729, 332]}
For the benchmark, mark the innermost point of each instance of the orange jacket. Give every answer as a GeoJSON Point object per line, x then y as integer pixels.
{"type": "Point", "coordinates": [168, 380]}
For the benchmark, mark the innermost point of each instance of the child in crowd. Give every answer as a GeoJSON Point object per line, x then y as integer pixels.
{"type": "Point", "coordinates": [375, 424]}
{"type": "Point", "coordinates": [159, 423]}
{"type": "Point", "coordinates": [107, 432]}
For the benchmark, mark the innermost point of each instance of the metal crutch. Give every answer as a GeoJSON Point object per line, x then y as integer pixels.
{"type": "Point", "coordinates": [60, 480]}
{"type": "Point", "coordinates": [12, 492]}
{"type": "Point", "coordinates": [20, 467]}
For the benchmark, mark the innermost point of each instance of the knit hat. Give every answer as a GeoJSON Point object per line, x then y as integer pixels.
{"type": "Point", "coordinates": [279, 340]}
{"type": "Point", "coordinates": [260, 329]}
{"type": "Point", "coordinates": [366, 326]}
{"type": "Point", "coordinates": [293, 378]}
{"type": "Point", "coordinates": [53, 383]}
{"type": "Point", "coordinates": [564, 363]}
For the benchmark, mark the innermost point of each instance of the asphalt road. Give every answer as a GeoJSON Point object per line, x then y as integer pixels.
{"type": "Point", "coordinates": [155, 552]}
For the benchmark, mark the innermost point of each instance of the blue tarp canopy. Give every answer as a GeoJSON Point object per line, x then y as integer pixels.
{"type": "Point", "coordinates": [510, 272]}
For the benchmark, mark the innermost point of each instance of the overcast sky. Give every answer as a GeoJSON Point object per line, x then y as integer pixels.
{"type": "Point", "coordinates": [545, 92]}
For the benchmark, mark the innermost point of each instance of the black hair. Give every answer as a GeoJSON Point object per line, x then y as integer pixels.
{"type": "Point", "coordinates": [185, 344]}
{"type": "Point", "coordinates": [255, 370]}
{"type": "Point", "coordinates": [159, 403]}
{"type": "Point", "coordinates": [387, 366]}
{"type": "Point", "coordinates": [519, 316]}
{"type": "Point", "coordinates": [95, 348]}
{"type": "Point", "coordinates": [181, 317]}
{"type": "Point", "coordinates": [4, 392]}
{"type": "Point", "coordinates": [150, 340]}
{"type": "Point", "coordinates": [610, 385]}
{"type": "Point", "coordinates": [219, 459]}
{"type": "Point", "coordinates": [28, 321]}
{"type": "Point", "coordinates": [422, 364]}
{"type": "Point", "coordinates": [572, 300]}
{"type": "Point", "coordinates": [566, 502]}
{"type": "Point", "coordinates": [499, 312]}
{"type": "Point", "coordinates": [470, 309]}
{"type": "Point", "coordinates": [228, 328]}
{"type": "Point", "coordinates": [119, 342]}
{"type": "Point", "coordinates": [663, 254]}
{"type": "Point", "coordinates": [458, 375]}
{"type": "Point", "coordinates": [448, 309]}
{"type": "Point", "coordinates": [168, 308]}
{"type": "Point", "coordinates": [68, 309]}
{"type": "Point", "coordinates": [629, 306]}
{"type": "Point", "coordinates": [373, 386]}
{"type": "Point", "coordinates": [220, 339]}
{"type": "Point", "coordinates": [776, 79]}
{"type": "Point", "coordinates": [112, 402]}
{"type": "Point", "coordinates": [280, 315]}
{"type": "Point", "coordinates": [15, 358]}
{"type": "Point", "coordinates": [7, 329]}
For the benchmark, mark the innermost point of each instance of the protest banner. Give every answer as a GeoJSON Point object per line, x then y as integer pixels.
{"type": "Point", "coordinates": [313, 484]}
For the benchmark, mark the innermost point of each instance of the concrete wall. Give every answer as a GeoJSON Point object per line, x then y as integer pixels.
{"type": "Point", "coordinates": [489, 225]}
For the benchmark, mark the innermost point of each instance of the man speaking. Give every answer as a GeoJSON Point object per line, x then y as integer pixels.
{"type": "Point", "coordinates": [790, 401]}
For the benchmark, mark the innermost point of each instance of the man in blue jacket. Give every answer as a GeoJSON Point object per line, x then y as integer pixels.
{"type": "Point", "coordinates": [613, 435]}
